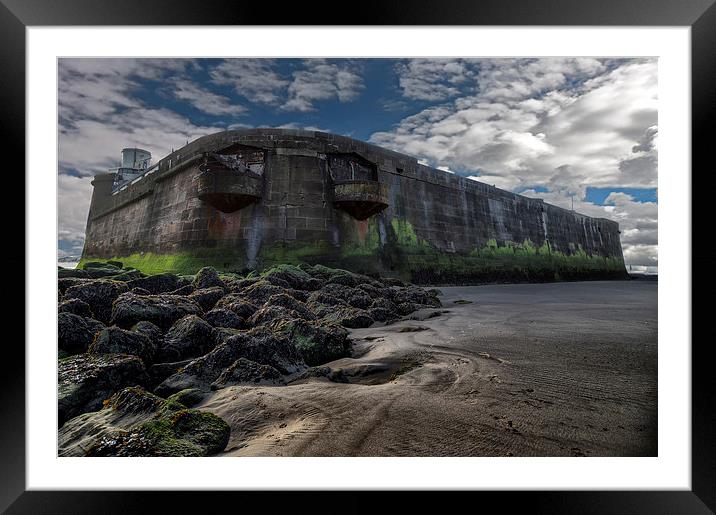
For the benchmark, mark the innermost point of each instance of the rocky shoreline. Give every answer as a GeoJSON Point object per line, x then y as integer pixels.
{"type": "Point", "coordinates": [137, 352]}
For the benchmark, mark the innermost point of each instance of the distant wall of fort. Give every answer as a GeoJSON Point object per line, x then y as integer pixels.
{"type": "Point", "coordinates": [323, 198]}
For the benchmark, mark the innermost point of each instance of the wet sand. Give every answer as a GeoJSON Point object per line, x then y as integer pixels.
{"type": "Point", "coordinates": [565, 369]}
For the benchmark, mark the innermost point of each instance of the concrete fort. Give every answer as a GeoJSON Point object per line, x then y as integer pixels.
{"type": "Point", "coordinates": [250, 199]}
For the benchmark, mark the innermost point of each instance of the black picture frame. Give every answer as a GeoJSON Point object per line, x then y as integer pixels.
{"type": "Point", "coordinates": [17, 15]}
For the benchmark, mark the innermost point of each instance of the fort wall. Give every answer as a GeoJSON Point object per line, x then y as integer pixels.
{"type": "Point", "coordinates": [324, 198]}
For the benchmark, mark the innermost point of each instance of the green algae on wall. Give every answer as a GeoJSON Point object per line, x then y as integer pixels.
{"type": "Point", "coordinates": [417, 260]}
{"type": "Point", "coordinates": [404, 254]}
{"type": "Point", "coordinates": [185, 262]}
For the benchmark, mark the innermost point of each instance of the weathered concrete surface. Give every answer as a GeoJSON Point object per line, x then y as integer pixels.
{"type": "Point", "coordinates": [563, 369]}
{"type": "Point", "coordinates": [437, 227]}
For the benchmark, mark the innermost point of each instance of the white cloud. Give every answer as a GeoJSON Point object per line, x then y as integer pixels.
{"type": "Point", "coordinates": [205, 100]}
{"type": "Point", "coordinates": [100, 112]}
{"type": "Point", "coordinates": [433, 79]}
{"type": "Point", "coordinates": [255, 79]}
{"type": "Point", "coordinates": [562, 124]}
{"type": "Point", "coordinates": [74, 195]}
{"type": "Point", "coordinates": [320, 80]}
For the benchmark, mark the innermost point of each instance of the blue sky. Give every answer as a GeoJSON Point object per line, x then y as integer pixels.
{"type": "Point", "coordinates": [562, 129]}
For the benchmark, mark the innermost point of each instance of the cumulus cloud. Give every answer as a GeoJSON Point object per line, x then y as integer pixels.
{"type": "Point", "coordinates": [74, 195]}
{"type": "Point", "coordinates": [255, 79]}
{"type": "Point", "coordinates": [434, 79]}
{"type": "Point", "coordinates": [559, 124]}
{"type": "Point", "coordinates": [321, 80]}
{"type": "Point", "coordinates": [100, 113]}
{"type": "Point", "coordinates": [205, 100]}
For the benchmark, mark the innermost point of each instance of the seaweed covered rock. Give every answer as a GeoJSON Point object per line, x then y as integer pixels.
{"type": "Point", "coordinates": [158, 283]}
{"type": "Point", "coordinates": [84, 381]}
{"type": "Point", "coordinates": [260, 291]}
{"type": "Point", "coordinates": [352, 318]}
{"type": "Point", "coordinates": [207, 277]}
{"type": "Point", "coordinates": [238, 304]}
{"type": "Point", "coordinates": [161, 310]}
{"type": "Point", "coordinates": [325, 298]}
{"type": "Point", "coordinates": [316, 342]}
{"type": "Point", "coordinates": [245, 371]}
{"type": "Point", "coordinates": [66, 273]}
{"type": "Point", "coordinates": [76, 307]}
{"type": "Point", "coordinates": [414, 295]}
{"type": "Point", "coordinates": [187, 289]}
{"type": "Point", "coordinates": [148, 329]}
{"type": "Point", "coordinates": [221, 317]}
{"type": "Point", "coordinates": [158, 372]}
{"type": "Point", "coordinates": [189, 337]}
{"type": "Point", "coordinates": [189, 397]}
{"type": "Point", "coordinates": [380, 314]}
{"type": "Point", "coordinates": [99, 294]}
{"type": "Point", "coordinates": [128, 275]}
{"type": "Point", "coordinates": [137, 423]}
{"type": "Point", "coordinates": [99, 269]}
{"type": "Point", "coordinates": [293, 276]}
{"type": "Point", "coordinates": [75, 333]}
{"type": "Point", "coordinates": [113, 340]}
{"type": "Point", "coordinates": [259, 345]}
{"type": "Point", "coordinates": [281, 306]}
{"type": "Point", "coordinates": [63, 284]}
{"type": "Point", "coordinates": [207, 297]}
{"type": "Point", "coordinates": [360, 300]}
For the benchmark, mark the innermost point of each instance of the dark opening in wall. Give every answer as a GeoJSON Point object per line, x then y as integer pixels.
{"type": "Point", "coordinates": [351, 167]}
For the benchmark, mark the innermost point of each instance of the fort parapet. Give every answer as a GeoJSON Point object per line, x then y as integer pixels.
{"type": "Point", "coordinates": [250, 199]}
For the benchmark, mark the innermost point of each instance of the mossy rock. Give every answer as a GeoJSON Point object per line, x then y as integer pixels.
{"type": "Point", "coordinates": [134, 422]}
{"type": "Point", "coordinates": [189, 397]}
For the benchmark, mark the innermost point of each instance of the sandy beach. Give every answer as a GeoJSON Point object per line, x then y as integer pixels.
{"type": "Point", "coordinates": [565, 369]}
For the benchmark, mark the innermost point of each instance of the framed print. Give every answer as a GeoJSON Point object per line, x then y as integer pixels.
{"type": "Point", "coordinates": [409, 250]}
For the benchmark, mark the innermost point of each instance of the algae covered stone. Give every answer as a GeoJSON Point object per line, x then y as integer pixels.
{"type": "Point", "coordinates": [134, 422]}
{"type": "Point", "coordinates": [86, 380]}
{"type": "Point", "coordinates": [75, 333]}
{"type": "Point", "coordinates": [161, 310]}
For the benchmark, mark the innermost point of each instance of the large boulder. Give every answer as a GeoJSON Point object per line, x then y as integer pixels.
{"type": "Point", "coordinates": [293, 276]}
{"type": "Point", "coordinates": [158, 372]}
{"type": "Point", "coordinates": [414, 295]}
{"type": "Point", "coordinates": [189, 337]}
{"type": "Point", "coordinates": [207, 277]}
{"type": "Point", "coordinates": [184, 290]}
{"type": "Point", "coordinates": [221, 317]}
{"type": "Point", "coordinates": [99, 294]}
{"type": "Point", "coordinates": [317, 342]}
{"type": "Point", "coordinates": [86, 380]}
{"type": "Point", "coordinates": [325, 298]}
{"type": "Point", "coordinates": [66, 273]}
{"type": "Point", "coordinates": [76, 333]}
{"type": "Point", "coordinates": [158, 283]}
{"type": "Point", "coordinates": [128, 275]}
{"type": "Point", "coordinates": [281, 306]}
{"type": "Point", "coordinates": [161, 310]}
{"type": "Point", "coordinates": [63, 284]}
{"type": "Point", "coordinates": [148, 329]}
{"type": "Point", "coordinates": [352, 318]}
{"type": "Point", "coordinates": [245, 371]}
{"type": "Point", "coordinates": [260, 291]}
{"type": "Point", "coordinates": [113, 340]}
{"type": "Point", "coordinates": [76, 307]}
{"type": "Point", "coordinates": [259, 345]}
{"type": "Point", "coordinates": [137, 423]}
{"type": "Point", "coordinates": [238, 304]}
{"type": "Point", "coordinates": [207, 297]}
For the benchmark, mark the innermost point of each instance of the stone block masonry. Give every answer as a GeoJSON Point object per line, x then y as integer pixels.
{"type": "Point", "coordinates": [322, 198]}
